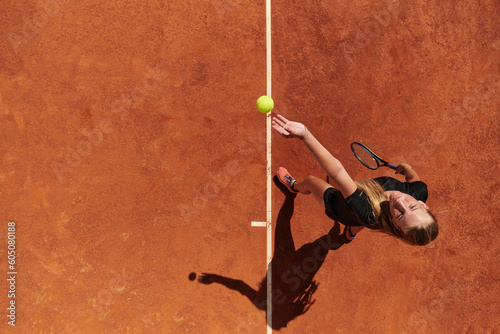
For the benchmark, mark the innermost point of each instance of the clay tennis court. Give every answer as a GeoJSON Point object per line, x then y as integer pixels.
{"type": "Point", "coordinates": [132, 155]}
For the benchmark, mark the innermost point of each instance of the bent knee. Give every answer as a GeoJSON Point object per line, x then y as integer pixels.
{"type": "Point", "coordinates": [312, 178]}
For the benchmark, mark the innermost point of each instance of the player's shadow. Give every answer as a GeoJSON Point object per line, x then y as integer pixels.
{"type": "Point", "coordinates": [293, 271]}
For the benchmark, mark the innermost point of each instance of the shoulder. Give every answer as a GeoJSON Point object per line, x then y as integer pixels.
{"type": "Point", "coordinates": [418, 184]}
{"type": "Point", "coordinates": [418, 189]}
{"type": "Point", "coordinates": [388, 183]}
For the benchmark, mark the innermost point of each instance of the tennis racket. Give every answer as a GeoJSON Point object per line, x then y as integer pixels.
{"type": "Point", "coordinates": [368, 158]}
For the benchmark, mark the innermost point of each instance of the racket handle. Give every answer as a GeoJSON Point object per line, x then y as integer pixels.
{"type": "Point", "coordinates": [393, 166]}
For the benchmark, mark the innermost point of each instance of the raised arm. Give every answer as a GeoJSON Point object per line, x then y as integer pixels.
{"type": "Point", "coordinates": [410, 174]}
{"type": "Point", "coordinates": [331, 165]}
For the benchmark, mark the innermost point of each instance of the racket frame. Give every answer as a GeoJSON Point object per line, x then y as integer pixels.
{"type": "Point", "coordinates": [380, 162]}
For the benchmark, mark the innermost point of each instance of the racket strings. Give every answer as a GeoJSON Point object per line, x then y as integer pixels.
{"type": "Point", "coordinates": [365, 157]}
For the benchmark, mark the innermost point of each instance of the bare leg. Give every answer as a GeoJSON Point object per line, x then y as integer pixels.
{"type": "Point", "coordinates": [356, 229]}
{"type": "Point", "coordinates": [313, 185]}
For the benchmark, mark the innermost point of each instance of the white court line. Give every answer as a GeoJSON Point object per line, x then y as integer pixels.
{"type": "Point", "coordinates": [267, 223]}
{"type": "Point", "coordinates": [269, 175]}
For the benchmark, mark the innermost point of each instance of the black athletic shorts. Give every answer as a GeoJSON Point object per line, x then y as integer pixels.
{"type": "Point", "coordinates": [337, 209]}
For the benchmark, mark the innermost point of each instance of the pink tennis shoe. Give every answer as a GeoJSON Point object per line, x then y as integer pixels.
{"type": "Point", "coordinates": [286, 179]}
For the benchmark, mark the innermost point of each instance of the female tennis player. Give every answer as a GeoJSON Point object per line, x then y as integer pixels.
{"type": "Point", "coordinates": [385, 204]}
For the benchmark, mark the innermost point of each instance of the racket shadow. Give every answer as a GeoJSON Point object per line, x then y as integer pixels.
{"type": "Point", "coordinates": [293, 270]}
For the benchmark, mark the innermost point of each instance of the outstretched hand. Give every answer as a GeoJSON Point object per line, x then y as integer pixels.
{"type": "Point", "coordinates": [205, 278]}
{"type": "Point", "coordinates": [289, 129]}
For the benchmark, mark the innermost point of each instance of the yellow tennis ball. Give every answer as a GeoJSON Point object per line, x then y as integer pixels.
{"type": "Point", "coordinates": [265, 104]}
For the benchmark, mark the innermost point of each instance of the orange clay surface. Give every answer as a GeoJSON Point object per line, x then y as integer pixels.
{"type": "Point", "coordinates": [132, 154]}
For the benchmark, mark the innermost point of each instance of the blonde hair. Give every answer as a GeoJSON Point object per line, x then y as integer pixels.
{"type": "Point", "coordinates": [380, 206]}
